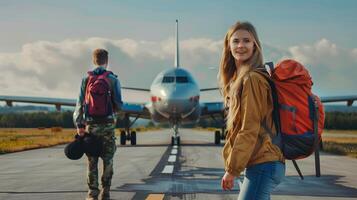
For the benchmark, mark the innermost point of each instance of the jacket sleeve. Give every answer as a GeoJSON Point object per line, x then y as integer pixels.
{"type": "Point", "coordinates": [117, 99]}
{"type": "Point", "coordinates": [78, 115]}
{"type": "Point", "coordinates": [252, 107]}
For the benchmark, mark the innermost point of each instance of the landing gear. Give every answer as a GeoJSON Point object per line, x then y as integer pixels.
{"type": "Point", "coordinates": [175, 139]}
{"type": "Point", "coordinates": [217, 137]}
{"type": "Point", "coordinates": [220, 135]}
{"type": "Point", "coordinates": [133, 138]}
{"type": "Point", "coordinates": [127, 134]}
{"type": "Point", "coordinates": [223, 136]}
{"type": "Point", "coordinates": [122, 137]}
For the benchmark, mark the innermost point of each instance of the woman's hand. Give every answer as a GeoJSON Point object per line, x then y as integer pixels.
{"type": "Point", "coordinates": [227, 182]}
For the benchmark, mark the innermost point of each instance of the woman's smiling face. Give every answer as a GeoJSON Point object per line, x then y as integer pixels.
{"type": "Point", "coordinates": [241, 45]}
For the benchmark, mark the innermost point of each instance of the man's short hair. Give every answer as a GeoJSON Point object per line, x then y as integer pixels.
{"type": "Point", "coordinates": [100, 57]}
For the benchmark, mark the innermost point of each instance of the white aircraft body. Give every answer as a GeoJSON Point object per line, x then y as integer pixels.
{"type": "Point", "coordinates": [175, 98]}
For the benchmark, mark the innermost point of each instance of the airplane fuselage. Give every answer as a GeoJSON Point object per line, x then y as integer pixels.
{"type": "Point", "coordinates": [175, 97]}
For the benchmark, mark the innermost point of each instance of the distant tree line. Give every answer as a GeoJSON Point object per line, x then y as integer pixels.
{"type": "Point", "coordinates": [333, 120]}
{"type": "Point", "coordinates": [341, 120]}
{"type": "Point", "coordinates": [39, 119]}
{"type": "Point", "coordinates": [36, 119]}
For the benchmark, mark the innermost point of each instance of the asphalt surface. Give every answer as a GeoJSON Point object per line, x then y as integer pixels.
{"type": "Point", "coordinates": [155, 170]}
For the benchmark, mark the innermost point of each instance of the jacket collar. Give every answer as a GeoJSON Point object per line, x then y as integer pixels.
{"type": "Point", "coordinates": [99, 70]}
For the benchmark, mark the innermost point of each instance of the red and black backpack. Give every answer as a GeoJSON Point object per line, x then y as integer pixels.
{"type": "Point", "coordinates": [98, 97]}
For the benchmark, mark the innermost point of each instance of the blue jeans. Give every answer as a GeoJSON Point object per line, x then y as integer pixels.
{"type": "Point", "coordinates": [260, 180]}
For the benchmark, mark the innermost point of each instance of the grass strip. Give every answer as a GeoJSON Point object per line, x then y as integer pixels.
{"type": "Point", "coordinates": [20, 139]}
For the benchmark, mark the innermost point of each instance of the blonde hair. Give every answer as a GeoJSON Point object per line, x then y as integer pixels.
{"type": "Point", "coordinates": [230, 78]}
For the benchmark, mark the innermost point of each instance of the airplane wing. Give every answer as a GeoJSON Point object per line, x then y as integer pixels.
{"type": "Point", "coordinates": [212, 109]}
{"type": "Point", "coordinates": [208, 109]}
{"type": "Point", "coordinates": [348, 99]}
{"type": "Point", "coordinates": [132, 109]}
{"type": "Point", "coordinates": [208, 89]}
{"type": "Point", "coordinates": [215, 109]}
{"type": "Point", "coordinates": [137, 89]}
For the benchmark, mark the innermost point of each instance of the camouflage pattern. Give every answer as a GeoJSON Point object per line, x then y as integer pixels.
{"type": "Point", "coordinates": [106, 133]}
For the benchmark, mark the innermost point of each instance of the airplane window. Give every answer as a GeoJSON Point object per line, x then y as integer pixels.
{"type": "Point", "coordinates": [158, 79]}
{"type": "Point", "coordinates": [168, 79]}
{"type": "Point", "coordinates": [181, 79]}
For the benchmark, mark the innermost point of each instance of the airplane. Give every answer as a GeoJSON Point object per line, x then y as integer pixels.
{"type": "Point", "coordinates": [175, 98]}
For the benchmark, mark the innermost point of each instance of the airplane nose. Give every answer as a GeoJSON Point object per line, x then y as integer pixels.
{"type": "Point", "coordinates": [177, 94]}
{"type": "Point", "coordinates": [180, 100]}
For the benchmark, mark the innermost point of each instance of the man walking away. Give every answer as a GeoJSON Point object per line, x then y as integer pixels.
{"type": "Point", "coordinates": [99, 99]}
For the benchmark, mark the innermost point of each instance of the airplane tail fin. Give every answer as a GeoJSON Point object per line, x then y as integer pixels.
{"type": "Point", "coordinates": [177, 58]}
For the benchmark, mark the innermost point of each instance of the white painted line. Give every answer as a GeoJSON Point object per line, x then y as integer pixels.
{"type": "Point", "coordinates": [174, 151]}
{"type": "Point", "coordinates": [172, 159]}
{"type": "Point", "coordinates": [168, 169]}
{"type": "Point", "coordinates": [175, 146]}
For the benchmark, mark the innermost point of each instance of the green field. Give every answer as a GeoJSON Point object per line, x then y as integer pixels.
{"type": "Point", "coordinates": [18, 139]}
{"type": "Point", "coordinates": [345, 145]}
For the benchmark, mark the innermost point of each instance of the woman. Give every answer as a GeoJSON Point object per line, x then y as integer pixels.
{"type": "Point", "coordinates": [247, 96]}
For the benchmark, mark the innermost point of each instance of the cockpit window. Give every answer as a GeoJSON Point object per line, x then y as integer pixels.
{"type": "Point", "coordinates": [181, 79]}
{"type": "Point", "coordinates": [168, 79]}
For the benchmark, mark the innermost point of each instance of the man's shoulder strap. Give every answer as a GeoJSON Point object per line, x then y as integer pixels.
{"type": "Point", "coordinates": [90, 73]}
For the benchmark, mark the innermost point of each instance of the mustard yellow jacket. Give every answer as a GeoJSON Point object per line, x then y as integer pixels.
{"type": "Point", "coordinates": [251, 144]}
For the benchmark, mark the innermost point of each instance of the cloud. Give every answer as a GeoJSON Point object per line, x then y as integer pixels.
{"type": "Point", "coordinates": [333, 68]}
{"type": "Point", "coordinates": [354, 54]}
{"type": "Point", "coordinates": [55, 69]}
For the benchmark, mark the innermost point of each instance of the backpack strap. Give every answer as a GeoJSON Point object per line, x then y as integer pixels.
{"type": "Point", "coordinates": [106, 79]}
{"type": "Point", "coordinates": [276, 139]}
{"type": "Point", "coordinates": [90, 73]}
{"type": "Point", "coordinates": [89, 78]}
{"type": "Point", "coordinates": [270, 66]}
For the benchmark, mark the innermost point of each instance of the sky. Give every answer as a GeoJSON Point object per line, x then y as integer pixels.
{"type": "Point", "coordinates": [45, 46]}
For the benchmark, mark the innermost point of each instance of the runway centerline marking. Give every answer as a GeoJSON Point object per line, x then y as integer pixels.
{"type": "Point", "coordinates": [174, 151]}
{"type": "Point", "coordinates": [172, 158]}
{"type": "Point", "coordinates": [168, 169]}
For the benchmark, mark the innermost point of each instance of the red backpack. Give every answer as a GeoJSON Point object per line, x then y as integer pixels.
{"type": "Point", "coordinates": [97, 101]}
{"type": "Point", "coordinates": [298, 114]}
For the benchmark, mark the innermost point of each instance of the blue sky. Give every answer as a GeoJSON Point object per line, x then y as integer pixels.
{"type": "Point", "coordinates": [320, 34]}
{"type": "Point", "coordinates": [283, 23]}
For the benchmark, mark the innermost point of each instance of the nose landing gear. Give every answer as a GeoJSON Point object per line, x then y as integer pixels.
{"type": "Point", "coordinates": [175, 139]}
{"type": "Point", "coordinates": [220, 135]}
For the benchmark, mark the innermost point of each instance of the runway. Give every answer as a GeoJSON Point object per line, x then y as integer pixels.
{"type": "Point", "coordinates": [155, 170]}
